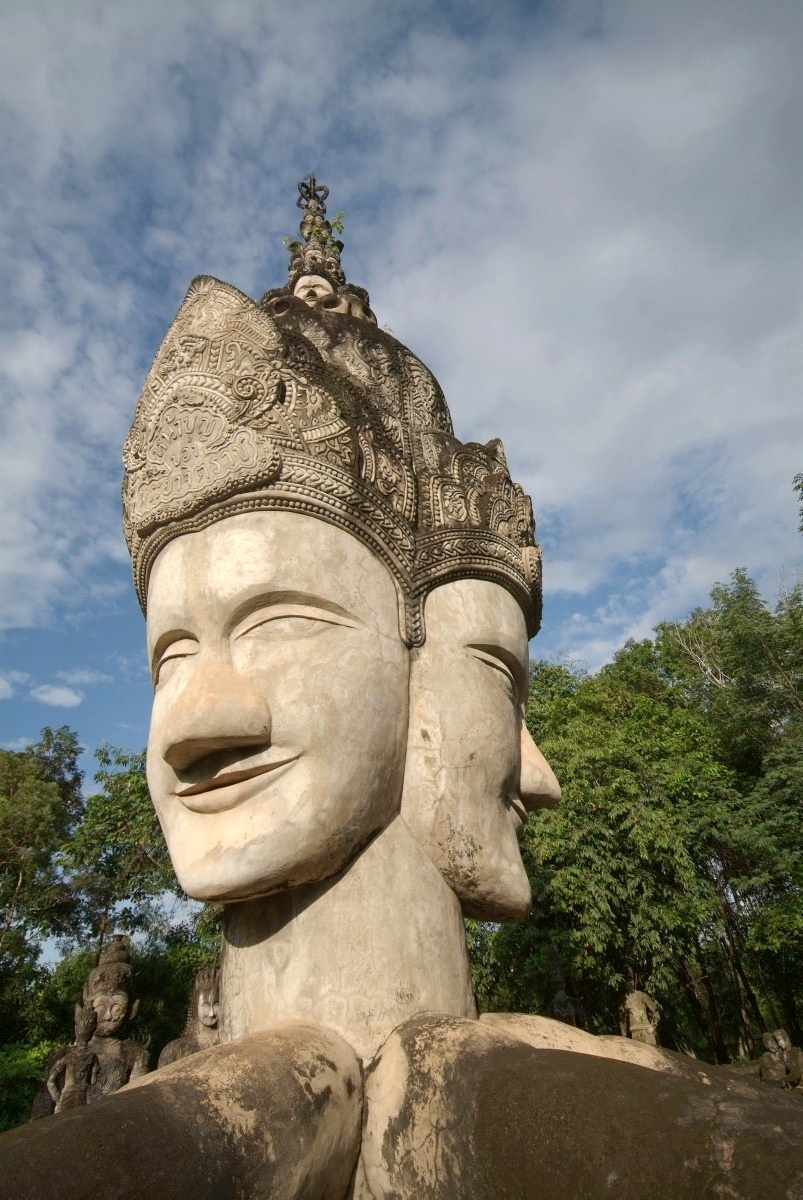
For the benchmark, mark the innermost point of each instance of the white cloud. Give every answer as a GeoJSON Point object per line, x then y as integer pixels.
{"type": "Point", "coordinates": [57, 695]}
{"type": "Point", "coordinates": [83, 676]}
{"type": "Point", "coordinates": [585, 220]}
{"type": "Point", "coordinates": [9, 681]}
{"type": "Point", "coordinates": [17, 745]}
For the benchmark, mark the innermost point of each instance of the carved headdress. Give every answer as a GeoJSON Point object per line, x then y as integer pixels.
{"type": "Point", "coordinates": [305, 405]}
{"type": "Point", "coordinates": [114, 973]}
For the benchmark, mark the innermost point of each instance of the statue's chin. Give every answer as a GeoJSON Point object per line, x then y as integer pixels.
{"type": "Point", "coordinates": [506, 897]}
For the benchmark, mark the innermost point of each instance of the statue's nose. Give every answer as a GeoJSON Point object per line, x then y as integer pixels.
{"type": "Point", "coordinates": [538, 786]}
{"type": "Point", "coordinates": [217, 710]}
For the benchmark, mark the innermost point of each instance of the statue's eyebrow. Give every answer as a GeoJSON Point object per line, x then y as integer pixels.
{"type": "Point", "coordinates": [506, 659]}
{"type": "Point", "coordinates": [274, 599]}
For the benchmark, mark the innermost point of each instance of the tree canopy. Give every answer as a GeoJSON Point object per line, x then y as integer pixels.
{"type": "Point", "coordinates": [674, 862]}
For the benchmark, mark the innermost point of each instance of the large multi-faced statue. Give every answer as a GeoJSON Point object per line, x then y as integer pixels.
{"type": "Point", "coordinates": [339, 596]}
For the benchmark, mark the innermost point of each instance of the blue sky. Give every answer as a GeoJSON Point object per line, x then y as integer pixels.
{"type": "Point", "coordinates": [584, 216]}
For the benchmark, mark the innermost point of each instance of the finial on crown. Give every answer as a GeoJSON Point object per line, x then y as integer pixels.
{"type": "Point", "coordinates": [319, 253]}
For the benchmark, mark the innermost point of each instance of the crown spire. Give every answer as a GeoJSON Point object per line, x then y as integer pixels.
{"type": "Point", "coordinates": [319, 252]}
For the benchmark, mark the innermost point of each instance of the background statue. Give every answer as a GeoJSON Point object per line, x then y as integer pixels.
{"type": "Point", "coordinates": [781, 1064]}
{"type": "Point", "coordinates": [74, 1072]}
{"type": "Point", "coordinates": [562, 1006]}
{"type": "Point", "coordinates": [108, 990]}
{"type": "Point", "coordinates": [642, 1016]}
{"type": "Point", "coordinates": [107, 995]}
{"type": "Point", "coordinates": [201, 1030]}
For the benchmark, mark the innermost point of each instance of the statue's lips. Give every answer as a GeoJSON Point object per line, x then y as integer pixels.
{"type": "Point", "coordinates": [228, 788]}
{"type": "Point", "coordinates": [519, 813]}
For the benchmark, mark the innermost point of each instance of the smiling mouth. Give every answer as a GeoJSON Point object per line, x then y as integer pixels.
{"type": "Point", "coordinates": [226, 789]}
{"type": "Point", "coordinates": [519, 810]}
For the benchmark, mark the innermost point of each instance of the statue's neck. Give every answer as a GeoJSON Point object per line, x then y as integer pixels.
{"type": "Point", "coordinates": [360, 953]}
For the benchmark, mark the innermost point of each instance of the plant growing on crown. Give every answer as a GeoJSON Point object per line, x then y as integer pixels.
{"type": "Point", "coordinates": [330, 242]}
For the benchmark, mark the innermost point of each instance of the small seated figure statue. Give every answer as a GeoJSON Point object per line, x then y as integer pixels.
{"type": "Point", "coordinates": [781, 1064]}
{"type": "Point", "coordinates": [643, 1017]}
{"type": "Point", "coordinates": [77, 1067]}
{"type": "Point", "coordinates": [201, 1030]}
{"type": "Point", "coordinates": [108, 992]}
{"type": "Point", "coordinates": [562, 1006]}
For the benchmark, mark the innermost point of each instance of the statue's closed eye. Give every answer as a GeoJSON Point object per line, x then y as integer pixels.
{"type": "Point", "coordinates": [170, 656]}
{"type": "Point", "coordinates": [289, 621]}
{"type": "Point", "coordinates": [505, 663]}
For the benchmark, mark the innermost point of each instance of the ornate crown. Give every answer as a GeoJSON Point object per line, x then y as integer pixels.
{"type": "Point", "coordinates": [307, 406]}
{"type": "Point", "coordinates": [114, 973]}
{"type": "Point", "coordinates": [319, 252]}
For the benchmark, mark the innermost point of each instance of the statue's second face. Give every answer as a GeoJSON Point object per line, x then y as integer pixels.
{"type": "Point", "coordinates": [473, 772]}
{"type": "Point", "coordinates": [279, 722]}
{"type": "Point", "coordinates": [110, 1009]}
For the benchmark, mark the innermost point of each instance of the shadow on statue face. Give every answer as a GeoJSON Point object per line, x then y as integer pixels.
{"type": "Point", "coordinates": [279, 722]}
{"type": "Point", "coordinates": [207, 1009]}
{"type": "Point", "coordinates": [110, 1009]}
{"type": "Point", "coordinates": [473, 772]}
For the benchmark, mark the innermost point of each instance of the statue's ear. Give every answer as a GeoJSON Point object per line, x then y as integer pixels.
{"type": "Point", "coordinates": [134, 1010]}
{"type": "Point", "coordinates": [78, 1010]}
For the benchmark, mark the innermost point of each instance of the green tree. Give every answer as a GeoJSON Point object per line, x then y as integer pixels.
{"type": "Point", "coordinates": [674, 861]}
{"type": "Point", "coordinates": [116, 859]}
{"type": "Point", "coordinates": [614, 867]}
{"type": "Point", "coordinates": [39, 801]}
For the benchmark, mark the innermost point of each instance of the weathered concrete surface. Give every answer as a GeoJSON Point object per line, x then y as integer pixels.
{"type": "Point", "coordinates": [458, 1109]}
{"type": "Point", "coordinates": [545, 1034]}
{"type": "Point", "coordinates": [473, 771]}
{"type": "Point", "coordinates": [275, 1114]}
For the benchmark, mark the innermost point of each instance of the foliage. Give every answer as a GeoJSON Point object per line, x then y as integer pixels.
{"type": "Point", "coordinates": [21, 1070]}
{"type": "Point", "coordinates": [39, 803]}
{"type": "Point", "coordinates": [116, 858]}
{"type": "Point", "coordinates": [674, 862]}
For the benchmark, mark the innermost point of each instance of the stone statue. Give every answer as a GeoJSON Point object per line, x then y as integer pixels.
{"type": "Point", "coordinates": [108, 992]}
{"type": "Point", "coordinates": [339, 596]}
{"type": "Point", "coordinates": [643, 1017]}
{"type": "Point", "coordinates": [781, 1064]}
{"type": "Point", "coordinates": [107, 997]}
{"type": "Point", "coordinates": [77, 1066]}
{"type": "Point", "coordinates": [562, 1006]}
{"type": "Point", "coordinates": [201, 1030]}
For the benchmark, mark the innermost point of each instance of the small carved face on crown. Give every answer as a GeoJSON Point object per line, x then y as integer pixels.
{"type": "Point", "coordinates": [311, 288]}
{"type": "Point", "coordinates": [279, 722]}
{"type": "Point", "coordinates": [318, 293]}
{"type": "Point", "coordinates": [473, 772]}
{"type": "Point", "coordinates": [111, 1009]}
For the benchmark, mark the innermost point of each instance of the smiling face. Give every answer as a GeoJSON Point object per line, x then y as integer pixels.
{"type": "Point", "coordinates": [279, 721]}
{"type": "Point", "coordinates": [473, 772]}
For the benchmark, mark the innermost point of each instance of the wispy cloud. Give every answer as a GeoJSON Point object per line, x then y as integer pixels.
{"type": "Point", "coordinates": [585, 218]}
{"type": "Point", "coordinates": [83, 677]}
{"type": "Point", "coordinates": [57, 695]}
{"type": "Point", "coordinates": [10, 681]}
{"type": "Point", "coordinates": [17, 745]}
